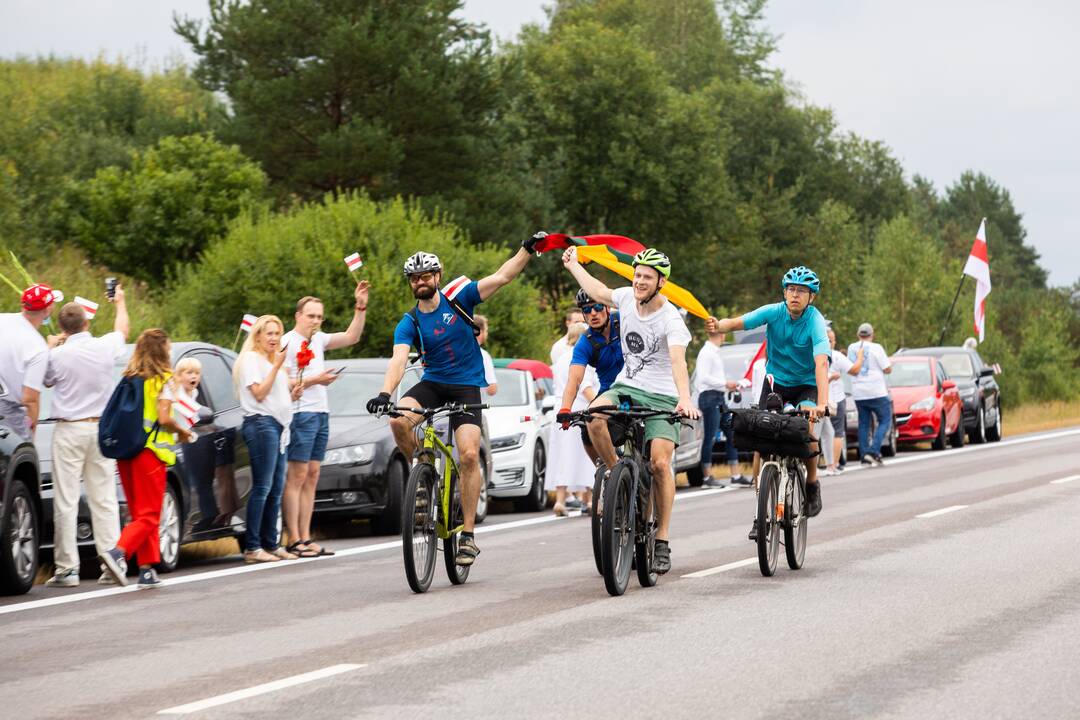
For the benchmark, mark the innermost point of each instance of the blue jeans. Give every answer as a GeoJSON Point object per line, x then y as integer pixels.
{"type": "Point", "coordinates": [262, 434]}
{"type": "Point", "coordinates": [712, 405]}
{"type": "Point", "coordinates": [881, 409]}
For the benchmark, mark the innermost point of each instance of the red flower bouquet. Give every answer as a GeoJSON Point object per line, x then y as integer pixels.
{"type": "Point", "coordinates": [304, 356]}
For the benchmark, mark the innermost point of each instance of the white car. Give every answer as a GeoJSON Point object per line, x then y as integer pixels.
{"type": "Point", "coordinates": [520, 428]}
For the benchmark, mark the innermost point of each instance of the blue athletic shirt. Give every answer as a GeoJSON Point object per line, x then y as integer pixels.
{"type": "Point", "coordinates": [792, 343]}
{"type": "Point", "coordinates": [451, 353]}
{"type": "Point", "coordinates": [610, 361]}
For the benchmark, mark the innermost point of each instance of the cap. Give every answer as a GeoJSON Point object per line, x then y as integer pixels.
{"type": "Point", "coordinates": [39, 297]}
{"type": "Point", "coordinates": [866, 330]}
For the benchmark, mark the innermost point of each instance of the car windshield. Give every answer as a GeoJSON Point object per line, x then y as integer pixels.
{"type": "Point", "coordinates": [958, 365]}
{"type": "Point", "coordinates": [513, 389]}
{"type": "Point", "coordinates": [909, 374]}
{"type": "Point", "coordinates": [350, 392]}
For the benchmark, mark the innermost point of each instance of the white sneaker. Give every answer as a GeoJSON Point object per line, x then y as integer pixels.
{"type": "Point", "coordinates": [66, 579]}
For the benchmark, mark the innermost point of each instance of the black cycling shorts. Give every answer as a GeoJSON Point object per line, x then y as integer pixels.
{"type": "Point", "coordinates": [432, 394]}
{"type": "Point", "coordinates": [793, 395]}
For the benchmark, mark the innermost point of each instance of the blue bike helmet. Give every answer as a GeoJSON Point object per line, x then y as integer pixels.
{"type": "Point", "coordinates": [801, 275]}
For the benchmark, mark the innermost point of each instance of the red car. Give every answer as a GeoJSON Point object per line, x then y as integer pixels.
{"type": "Point", "coordinates": [926, 404]}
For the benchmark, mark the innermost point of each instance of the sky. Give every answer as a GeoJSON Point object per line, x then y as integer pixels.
{"type": "Point", "coordinates": [985, 85]}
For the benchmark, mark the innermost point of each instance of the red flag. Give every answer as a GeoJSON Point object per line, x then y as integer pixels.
{"type": "Point", "coordinates": [761, 353]}
{"type": "Point", "coordinates": [978, 267]}
{"type": "Point", "coordinates": [617, 243]}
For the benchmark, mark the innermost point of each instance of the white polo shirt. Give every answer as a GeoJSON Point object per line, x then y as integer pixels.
{"type": "Point", "coordinates": [82, 374]}
{"type": "Point", "coordinates": [24, 356]}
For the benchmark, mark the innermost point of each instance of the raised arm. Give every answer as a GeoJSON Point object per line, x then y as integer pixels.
{"type": "Point", "coordinates": [352, 334]}
{"type": "Point", "coordinates": [725, 326]}
{"type": "Point", "coordinates": [856, 367]}
{"type": "Point", "coordinates": [122, 324]}
{"type": "Point", "coordinates": [597, 290]}
{"type": "Point", "coordinates": [261, 389]}
{"type": "Point", "coordinates": [504, 275]}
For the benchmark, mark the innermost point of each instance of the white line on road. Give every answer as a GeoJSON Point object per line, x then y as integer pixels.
{"type": "Point", "coordinates": [260, 689]}
{"type": "Point", "coordinates": [942, 511]}
{"type": "Point", "coordinates": [721, 568]}
{"type": "Point", "coordinates": [1070, 478]}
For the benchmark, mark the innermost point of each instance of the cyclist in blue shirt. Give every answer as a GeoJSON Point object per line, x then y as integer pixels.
{"type": "Point", "coordinates": [441, 327]}
{"type": "Point", "coordinates": [798, 353]}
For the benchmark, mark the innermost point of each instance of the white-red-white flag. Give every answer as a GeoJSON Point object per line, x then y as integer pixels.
{"type": "Point", "coordinates": [353, 262]}
{"type": "Point", "coordinates": [455, 286]}
{"type": "Point", "coordinates": [248, 322]}
{"type": "Point", "coordinates": [978, 267]}
{"type": "Point", "coordinates": [187, 409]}
{"type": "Point", "coordinates": [89, 306]}
{"type": "Point", "coordinates": [761, 354]}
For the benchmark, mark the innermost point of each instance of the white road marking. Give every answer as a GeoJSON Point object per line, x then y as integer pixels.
{"type": "Point", "coordinates": [260, 689]}
{"type": "Point", "coordinates": [1070, 478]}
{"type": "Point", "coordinates": [721, 568]}
{"type": "Point", "coordinates": [942, 511]}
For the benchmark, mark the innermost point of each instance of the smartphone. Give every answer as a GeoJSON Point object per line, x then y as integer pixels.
{"type": "Point", "coordinates": [337, 371]}
{"type": "Point", "coordinates": [110, 288]}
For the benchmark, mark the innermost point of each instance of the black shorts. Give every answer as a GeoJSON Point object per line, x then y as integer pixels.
{"type": "Point", "coordinates": [793, 395]}
{"type": "Point", "coordinates": [617, 432]}
{"type": "Point", "coordinates": [432, 394]}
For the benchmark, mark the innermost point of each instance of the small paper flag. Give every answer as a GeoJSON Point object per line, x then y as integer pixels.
{"type": "Point", "coordinates": [188, 409]}
{"type": "Point", "coordinates": [89, 306]}
{"type": "Point", "coordinates": [354, 262]}
{"type": "Point", "coordinates": [248, 322]}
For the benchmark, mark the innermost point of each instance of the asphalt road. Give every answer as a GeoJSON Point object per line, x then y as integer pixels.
{"type": "Point", "coordinates": [969, 613]}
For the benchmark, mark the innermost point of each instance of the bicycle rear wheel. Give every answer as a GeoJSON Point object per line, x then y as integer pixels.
{"type": "Point", "coordinates": [617, 529]}
{"type": "Point", "coordinates": [458, 574]}
{"type": "Point", "coordinates": [795, 523]}
{"type": "Point", "coordinates": [597, 503]}
{"type": "Point", "coordinates": [643, 550]}
{"type": "Point", "coordinates": [768, 534]}
{"type": "Point", "coordinates": [418, 538]}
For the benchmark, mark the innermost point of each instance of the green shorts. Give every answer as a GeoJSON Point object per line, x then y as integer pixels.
{"type": "Point", "coordinates": [657, 428]}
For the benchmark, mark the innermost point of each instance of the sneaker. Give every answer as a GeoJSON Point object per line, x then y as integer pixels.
{"type": "Point", "coordinates": [64, 578]}
{"type": "Point", "coordinates": [115, 564]}
{"type": "Point", "coordinates": [714, 483]}
{"type": "Point", "coordinates": [753, 531]}
{"type": "Point", "coordinates": [105, 578]}
{"type": "Point", "coordinates": [867, 462]}
{"type": "Point", "coordinates": [742, 481]}
{"type": "Point", "coordinates": [466, 552]}
{"type": "Point", "coordinates": [148, 579]}
{"type": "Point", "coordinates": [661, 559]}
{"type": "Point", "coordinates": [840, 469]}
{"type": "Point", "coordinates": [878, 461]}
{"type": "Point", "coordinates": [813, 500]}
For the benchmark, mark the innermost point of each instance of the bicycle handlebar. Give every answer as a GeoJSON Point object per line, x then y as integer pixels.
{"type": "Point", "coordinates": [634, 412]}
{"type": "Point", "coordinates": [429, 413]}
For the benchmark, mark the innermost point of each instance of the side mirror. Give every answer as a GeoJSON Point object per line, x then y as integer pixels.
{"type": "Point", "coordinates": [205, 415]}
{"type": "Point", "coordinates": [986, 372]}
{"type": "Point", "coordinates": [548, 403]}
{"type": "Point", "coordinates": [948, 385]}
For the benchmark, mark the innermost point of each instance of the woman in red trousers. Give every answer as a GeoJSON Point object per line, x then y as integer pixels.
{"type": "Point", "coordinates": [143, 476]}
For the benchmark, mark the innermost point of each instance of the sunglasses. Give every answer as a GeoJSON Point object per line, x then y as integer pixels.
{"type": "Point", "coordinates": [425, 278]}
{"type": "Point", "coordinates": [598, 307]}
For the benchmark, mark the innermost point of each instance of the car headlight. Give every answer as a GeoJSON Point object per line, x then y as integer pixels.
{"type": "Point", "coordinates": [967, 394]}
{"type": "Point", "coordinates": [507, 442]}
{"type": "Point", "coordinates": [352, 455]}
{"type": "Point", "coordinates": [927, 403]}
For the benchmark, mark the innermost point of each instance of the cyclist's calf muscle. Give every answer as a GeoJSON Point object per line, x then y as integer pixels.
{"type": "Point", "coordinates": [402, 427]}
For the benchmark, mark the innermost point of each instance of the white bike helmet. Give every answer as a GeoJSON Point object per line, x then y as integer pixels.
{"type": "Point", "coordinates": [422, 262]}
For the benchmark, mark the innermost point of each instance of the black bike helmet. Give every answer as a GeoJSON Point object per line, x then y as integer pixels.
{"type": "Point", "coordinates": [582, 299]}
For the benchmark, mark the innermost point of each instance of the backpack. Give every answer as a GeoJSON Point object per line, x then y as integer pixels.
{"type": "Point", "coordinates": [598, 343]}
{"type": "Point", "coordinates": [121, 435]}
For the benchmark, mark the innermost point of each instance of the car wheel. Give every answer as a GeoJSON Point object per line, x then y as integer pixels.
{"type": "Point", "coordinates": [169, 527]}
{"type": "Point", "coordinates": [536, 500]}
{"type": "Point", "coordinates": [389, 521]}
{"type": "Point", "coordinates": [939, 441]}
{"type": "Point", "coordinates": [19, 541]}
{"type": "Point", "coordinates": [993, 433]}
{"type": "Point", "coordinates": [888, 448]}
{"type": "Point", "coordinates": [978, 435]}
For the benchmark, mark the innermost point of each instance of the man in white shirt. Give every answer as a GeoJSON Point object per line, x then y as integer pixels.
{"type": "Point", "coordinates": [712, 385]}
{"type": "Point", "coordinates": [82, 373]}
{"type": "Point", "coordinates": [310, 428]}
{"type": "Point", "coordinates": [834, 431]}
{"type": "Point", "coordinates": [871, 394]}
{"type": "Point", "coordinates": [489, 365]}
{"type": "Point", "coordinates": [573, 317]}
{"type": "Point", "coordinates": [24, 357]}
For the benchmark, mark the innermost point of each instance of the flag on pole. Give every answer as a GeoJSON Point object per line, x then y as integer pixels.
{"type": "Point", "coordinates": [354, 262]}
{"type": "Point", "coordinates": [248, 322]}
{"type": "Point", "coordinates": [978, 267]}
{"type": "Point", "coordinates": [89, 306]}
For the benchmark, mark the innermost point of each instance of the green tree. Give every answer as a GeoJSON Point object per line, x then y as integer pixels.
{"type": "Point", "coordinates": [175, 198]}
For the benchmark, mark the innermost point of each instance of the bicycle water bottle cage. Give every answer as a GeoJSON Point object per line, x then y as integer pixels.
{"type": "Point", "coordinates": [773, 402]}
{"type": "Point", "coordinates": [625, 401]}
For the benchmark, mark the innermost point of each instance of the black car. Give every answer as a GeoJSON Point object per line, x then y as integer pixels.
{"type": "Point", "coordinates": [206, 490]}
{"type": "Point", "coordinates": [979, 390]}
{"type": "Point", "coordinates": [364, 473]}
{"type": "Point", "coordinates": [20, 510]}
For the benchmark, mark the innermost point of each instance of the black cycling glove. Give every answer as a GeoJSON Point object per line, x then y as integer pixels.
{"type": "Point", "coordinates": [530, 244]}
{"type": "Point", "coordinates": [379, 405]}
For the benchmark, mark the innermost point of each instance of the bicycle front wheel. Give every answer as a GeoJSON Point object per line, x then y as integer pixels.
{"type": "Point", "coordinates": [597, 504]}
{"type": "Point", "coordinates": [795, 524]}
{"type": "Point", "coordinates": [617, 529]}
{"type": "Point", "coordinates": [418, 538]}
{"type": "Point", "coordinates": [458, 574]}
{"type": "Point", "coordinates": [646, 544]}
{"type": "Point", "coordinates": [768, 534]}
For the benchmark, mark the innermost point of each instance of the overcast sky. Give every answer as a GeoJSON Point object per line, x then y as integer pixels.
{"type": "Point", "coordinates": [966, 84]}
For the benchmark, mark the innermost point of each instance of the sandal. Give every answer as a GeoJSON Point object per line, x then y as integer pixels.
{"type": "Point", "coordinates": [560, 510]}
{"type": "Point", "coordinates": [300, 550]}
{"type": "Point", "coordinates": [319, 551]}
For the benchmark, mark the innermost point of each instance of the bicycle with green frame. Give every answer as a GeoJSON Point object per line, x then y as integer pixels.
{"type": "Point", "coordinates": [431, 505]}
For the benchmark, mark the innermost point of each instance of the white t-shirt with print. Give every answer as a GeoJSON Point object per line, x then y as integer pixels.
{"type": "Point", "coordinates": [870, 382]}
{"type": "Point", "coordinates": [842, 365]}
{"type": "Point", "coordinates": [254, 367]}
{"type": "Point", "coordinates": [645, 343]}
{"type": "Point", "coordinates": [489, 367]}
{"type": "Point", "coordinates": [315, 398]}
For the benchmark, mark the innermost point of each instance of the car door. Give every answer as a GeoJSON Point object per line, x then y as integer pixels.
{"type": "Point", "coordinates": [950, 399]}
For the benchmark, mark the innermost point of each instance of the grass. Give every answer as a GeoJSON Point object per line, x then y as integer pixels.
{"type": "Point", "coordinates": [1036, 417]}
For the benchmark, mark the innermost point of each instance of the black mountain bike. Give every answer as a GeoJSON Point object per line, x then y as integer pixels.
{"type": "Point", "coordinates": [627, 515]}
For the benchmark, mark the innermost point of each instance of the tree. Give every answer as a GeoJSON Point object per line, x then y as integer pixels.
{"type": "Point", "coordinates": [175, 198]}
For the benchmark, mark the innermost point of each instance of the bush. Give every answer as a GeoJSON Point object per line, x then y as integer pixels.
{"type": "Point", "coordinates": [266, 263]}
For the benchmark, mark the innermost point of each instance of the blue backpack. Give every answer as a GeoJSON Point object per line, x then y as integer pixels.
{"type": "Point", "coordinates": [121, 435]}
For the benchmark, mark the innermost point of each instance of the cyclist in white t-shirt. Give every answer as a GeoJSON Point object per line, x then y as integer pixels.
{"type": "Point", "coordinates": [871, 394]}
{"type": "Point", "coordinates": [654, 339]}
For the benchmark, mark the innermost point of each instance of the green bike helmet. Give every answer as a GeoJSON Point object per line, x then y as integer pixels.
{"type": "Point", "coordinates": [655, 259]}
{"type": "Point", "coordinates": [801, 275]}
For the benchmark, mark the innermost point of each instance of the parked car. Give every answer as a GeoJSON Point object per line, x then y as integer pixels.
{"type": "Point", "coordinates": [20, 510]}
{"type": "Point", "coordinates": [206, 490]}
{"type": "Point", "coordinates": [979, 390]}
{"type": "Point", "coordinates": [888, 445]}
{"type": "Point", "coordinates": [520, 432]}
{"type": "Point", "coordinates": [926, 403]}
{"type": "Point", "coordinates": [364, 473]}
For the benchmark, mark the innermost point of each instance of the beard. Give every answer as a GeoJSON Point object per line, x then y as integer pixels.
{"type": "Point", "coordinates": [424, 292]}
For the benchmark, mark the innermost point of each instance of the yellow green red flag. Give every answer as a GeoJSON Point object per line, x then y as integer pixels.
{"type": "Point", "coordinates": [682, 297]}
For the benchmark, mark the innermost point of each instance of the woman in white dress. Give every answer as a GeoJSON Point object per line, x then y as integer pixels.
{"type": "Point", "coordinates": [568, 465]}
